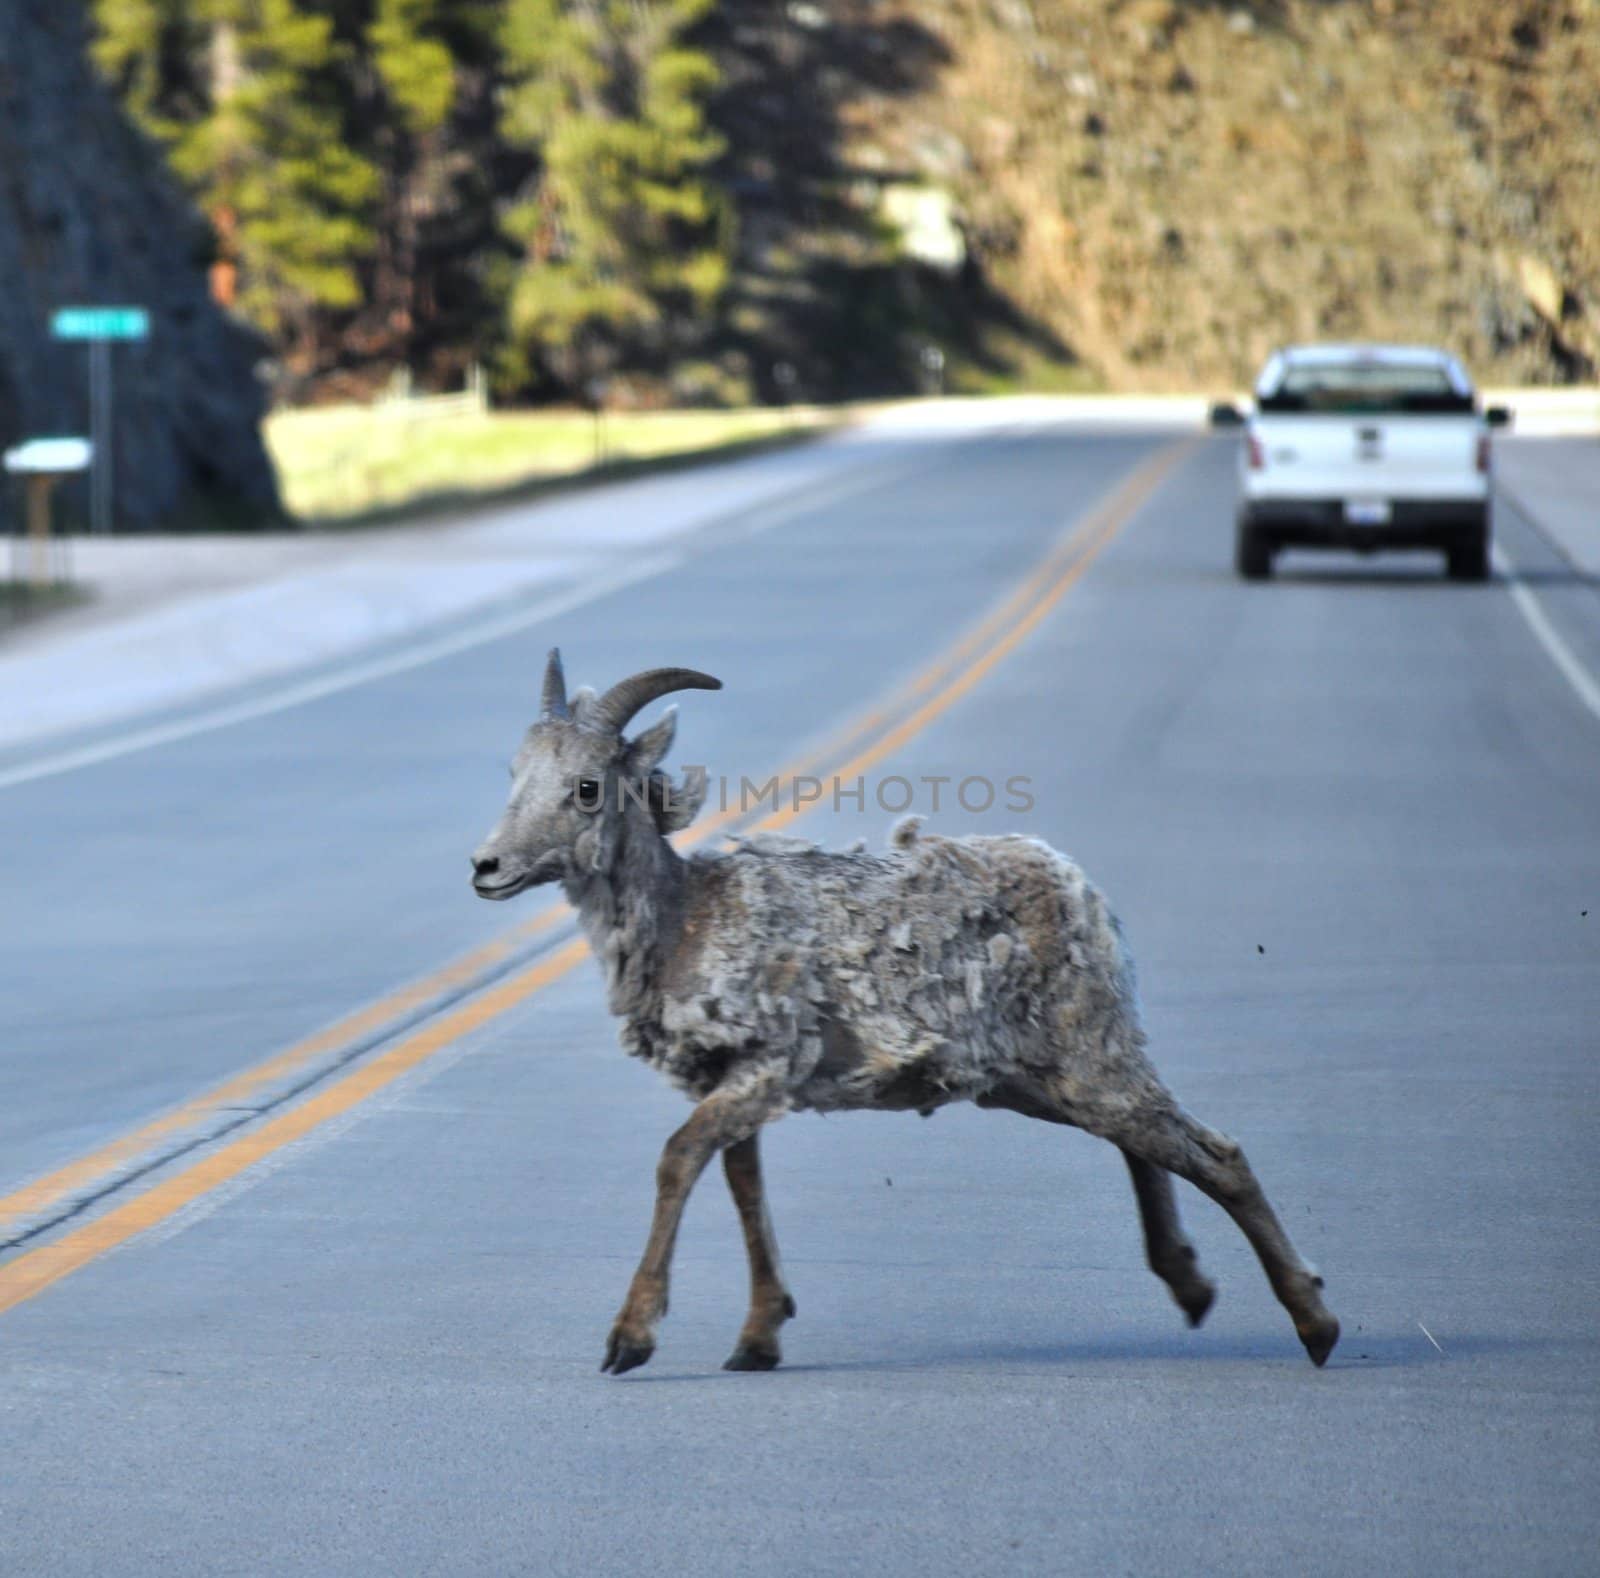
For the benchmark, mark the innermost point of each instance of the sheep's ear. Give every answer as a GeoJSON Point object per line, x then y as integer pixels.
{"type": "Point", "coordinates": [646, 750]}
{"type": "Point", "coordinates": [681, 802]}
{"type": "Point", "coordinates": [581, 703]}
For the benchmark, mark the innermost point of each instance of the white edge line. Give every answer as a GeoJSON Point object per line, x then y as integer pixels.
{"type": "Point", "coordinates": [1576, 675]}
{"type": "Point", "coordinates": [775, 510]}
{"type": "Point", "coordinates": [346, 679]}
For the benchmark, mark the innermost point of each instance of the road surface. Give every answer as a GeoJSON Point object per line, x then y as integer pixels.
{"type": "Point", "coordinates": [346, 1315]}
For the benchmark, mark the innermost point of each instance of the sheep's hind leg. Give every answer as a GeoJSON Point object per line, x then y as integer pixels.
{"type": "Point", "coordinates": [770, 1303]}
{"type": "Point", "coordinates": [1167, 1137]}
{"type": "Point", "coordinates": [1167, 1249]}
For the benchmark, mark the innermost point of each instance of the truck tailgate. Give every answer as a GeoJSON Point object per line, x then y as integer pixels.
{"type": "Point", "coordinates": [1395, 457]}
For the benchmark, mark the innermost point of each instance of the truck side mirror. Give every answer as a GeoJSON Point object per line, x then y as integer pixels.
{"type": "Point", "coordinates": [1224, 413]}
{"type": "Point", "coordinates": [1498, 416]}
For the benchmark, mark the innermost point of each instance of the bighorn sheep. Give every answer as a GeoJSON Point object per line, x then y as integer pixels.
{"type": "Point", "coordinates": [779, 977]}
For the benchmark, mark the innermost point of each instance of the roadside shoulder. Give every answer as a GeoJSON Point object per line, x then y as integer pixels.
{"type": "Point", "coordinates": [1554, 483]}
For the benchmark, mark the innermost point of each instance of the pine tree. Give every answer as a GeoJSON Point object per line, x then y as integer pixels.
{"type": "Point", "coordinates": [248, 97]}
{"type": "Point", "coordinates": [627, 239]}
{"type": "Point", "coordinates": [291, 200]}
{"type": "Point", "coordinates": [142, 47]}
{"type": "Point", "coordinates": [355, 157]}
{"type": "Point", "coordinates": [417, 69]}
{"type": "Point", "coordinates": [434, 69]}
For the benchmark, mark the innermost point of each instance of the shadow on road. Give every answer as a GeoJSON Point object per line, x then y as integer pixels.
{"type": "Point", "coordinates": [1408, 578]}
{"type": "Point", "coordinates": [1403, 576]}
{"type": "Point", "coordinates": [1551, 577]}
{"type": "Point", "coordinates": [1358, 1351]}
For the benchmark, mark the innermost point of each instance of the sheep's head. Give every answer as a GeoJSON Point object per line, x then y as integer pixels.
{"type": "Point", "coordinates": [576, 778]}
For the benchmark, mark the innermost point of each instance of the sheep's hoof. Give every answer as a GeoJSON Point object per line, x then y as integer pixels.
{"type": "Point", "coordinates": [1319, 1339]}
{"type": "Point", "coordinates": [750, 1357]}
{"type": "Point", "coordinates": [623, 1355]}
{"type": "Point", "coordinates": [1196, 1302]}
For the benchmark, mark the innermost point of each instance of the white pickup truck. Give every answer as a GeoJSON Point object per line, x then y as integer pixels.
{"type": "Point", "coordinates": [1365, 447]}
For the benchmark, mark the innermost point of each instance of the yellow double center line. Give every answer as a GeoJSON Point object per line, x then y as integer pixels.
{"type": "Point", "coordinates": [931, 692]}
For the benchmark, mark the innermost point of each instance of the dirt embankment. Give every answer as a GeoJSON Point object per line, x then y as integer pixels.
{"type": "Point", "coordinates": [1175, 186]}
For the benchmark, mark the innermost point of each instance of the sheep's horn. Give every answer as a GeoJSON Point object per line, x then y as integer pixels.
{"type": "Point", "coordinates": [611, 713]}
{"type": "Point", "coordinates": [553, 699]}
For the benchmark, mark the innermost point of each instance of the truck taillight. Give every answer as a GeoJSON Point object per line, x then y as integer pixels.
{"type": "Point", "coordinates": [1483, 452]}
{"type": "Point", "coordinates": [1255, 455]}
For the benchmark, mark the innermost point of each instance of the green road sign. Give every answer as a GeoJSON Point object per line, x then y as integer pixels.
{"type": "Point", "coordinates": [100, 323]}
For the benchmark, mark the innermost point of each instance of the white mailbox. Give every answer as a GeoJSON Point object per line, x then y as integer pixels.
{"type": "Point", "coordinates": [50, 457]}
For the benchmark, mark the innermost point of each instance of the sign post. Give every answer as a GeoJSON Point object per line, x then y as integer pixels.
{"type": "Point", "coordinates": [100, 326]}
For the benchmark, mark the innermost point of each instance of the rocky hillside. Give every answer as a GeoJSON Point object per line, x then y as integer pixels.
{"type": "Point", "coordinates": [87, 216]}
{"type": "Point", "coordinates": [1171, 187]}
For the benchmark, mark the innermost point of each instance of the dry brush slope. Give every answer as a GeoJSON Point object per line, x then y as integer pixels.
{"type": "Point", "coordinates": [1174, 186]}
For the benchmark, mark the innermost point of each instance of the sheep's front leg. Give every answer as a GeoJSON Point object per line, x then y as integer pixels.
{"type": "Point", "coordinates": [724, 1118]}
{"type": "Point", "coordinates": [770, 1303]}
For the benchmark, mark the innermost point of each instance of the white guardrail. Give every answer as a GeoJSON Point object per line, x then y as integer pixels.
{"type": "Point", "coordinates": [1535, 413]}
{"type": "Point", "coordinates": [1549, 413]}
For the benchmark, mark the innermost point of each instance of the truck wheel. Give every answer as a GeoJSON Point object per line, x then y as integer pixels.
{"type": "Point", "coordinates": [1468, 556]}
{"type": "Point", "coordinates": [1252, 553]}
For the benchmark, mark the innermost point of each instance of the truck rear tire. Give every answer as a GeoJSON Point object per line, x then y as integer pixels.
{"type": "Point", "coordinates": [1252, 553]}
{"type": "Point", "coordinates": [1467, 558]}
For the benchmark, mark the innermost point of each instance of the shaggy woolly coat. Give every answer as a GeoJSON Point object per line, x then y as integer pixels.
{"type": "Point", "coordinates": [941, 970]}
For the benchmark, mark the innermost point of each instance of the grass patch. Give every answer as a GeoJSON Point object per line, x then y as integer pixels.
{"type": "Point", "coordinates": [344, 464]}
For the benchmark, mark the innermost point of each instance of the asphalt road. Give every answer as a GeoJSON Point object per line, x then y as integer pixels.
{"type": "Point", "coordinates": [1351, 820]}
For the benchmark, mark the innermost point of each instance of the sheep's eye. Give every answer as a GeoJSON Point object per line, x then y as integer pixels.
{"type": "Point", "coordinates": [587, 794]}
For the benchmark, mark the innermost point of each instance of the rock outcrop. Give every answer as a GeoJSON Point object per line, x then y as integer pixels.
{"type": "Point", "coordinates": [89, 216]}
